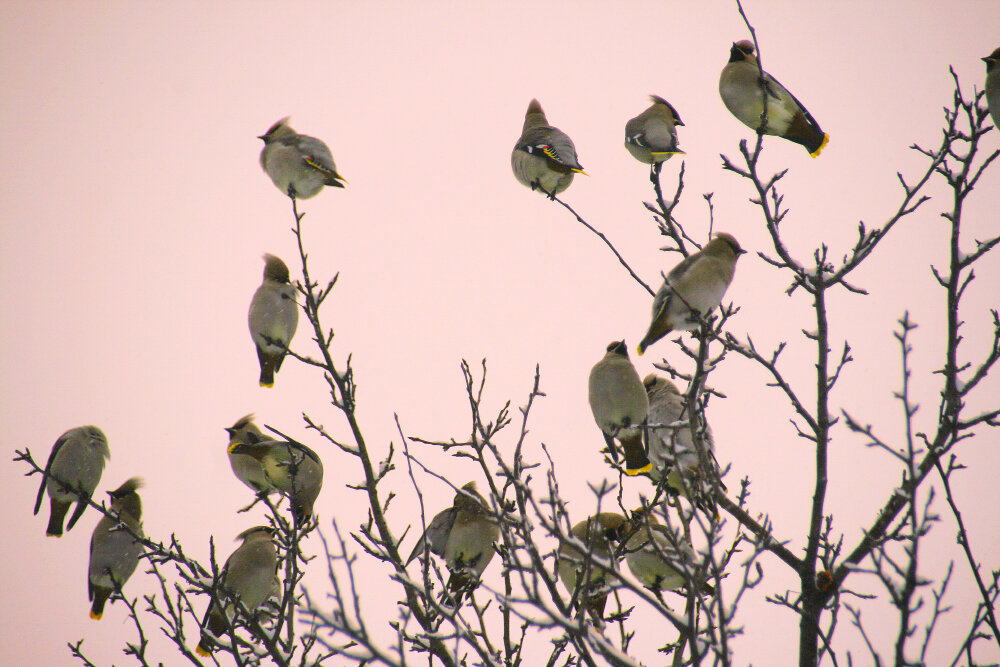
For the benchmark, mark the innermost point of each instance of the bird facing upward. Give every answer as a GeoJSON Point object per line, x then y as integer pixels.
{"type": "Point", "coordinates": [299, 165]}
{"type": "Point", "coordinates": [740, 87]}
{"type": "Point", "coordinates": [544, 158]}
{"type": "Point", "coordinates": [273, 318]}
{"type": "Point", "coordinates": [693, 288]}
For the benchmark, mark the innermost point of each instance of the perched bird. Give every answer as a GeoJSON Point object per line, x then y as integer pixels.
{"type": "Point", "coordinates": [651, 137]}
{"type": "Point", "coordinates": [618, 401]}
{"type": "Point", "coordinates": [247, 576]}
{"type": "Point", "coordinates": [693, 288]}
{"type": "Point", "coordinates": [601, 534]}
{"type": "Point", "coordinates": [993, 85]}
{"type": "Point", "coordinates": [72, 473]}
{"type": "Point", "coordinates": [273, 318]}
{"type": "Point", "coordinates": [265, 465]}
{"type": "Point", "coordinates": [114, 551]}
{"type": "Point", "coordinates": [661, 559]}
{"type": "Point", "coordinates": [740, 88]}
{"type": "Point", "coordinates": [672, 447]}
{"type": "Point", "coordinates": [544, 157]}
{"type": "Point", "coordinates": [299, 165]}
{"type": "Point", "coordinates": [463, 535]}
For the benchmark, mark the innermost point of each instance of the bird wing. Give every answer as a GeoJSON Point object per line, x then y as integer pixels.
{"type": "Point", "coordinates": [316, 154]}
{"type": "Point", "coordinates": [778, 95]}
{"type": "Point", "coordinates": [435, 537]}
{"type": "Point", "coordinates": [552, 144]}
{"type": "Point", "coordinates": [655, 135]}
{"type": "Point", "coordinates": [48, 466]}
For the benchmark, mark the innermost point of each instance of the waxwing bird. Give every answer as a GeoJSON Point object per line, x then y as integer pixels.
{"type": "Point", "coordinates": [993, 85]}
{"type": "Point", "coordinates": [463, 535]}
{"type": "Point", "coordinates": [600, 534]}
{"type": "Point", "coordinates": [265, 465]}
{"type": "Point", "coordinates": [299, 165]}
{"type": "Point", "coordinates": [273, 318]}
{"type": "Point", "coordinates": [247, 576]}
{"type": "Point", "coordinates": [618, 401]}
{"type": "Point", "coordinates": [72, 474]}
{"type": "Point", "coordinates": [651, 137]}
{"type": "Point", "coordinates": [693, 288]}
{"type": "Point", "coordinates": [544, 157]}
{"type": "Point", "coordinates": [740, 88]}
{"type": "Point", "coordinates": [672, 448]}
{"type": "Point", "coordinates": [114, 549]}
{"type": "Point", "coordinates": [661, 559]}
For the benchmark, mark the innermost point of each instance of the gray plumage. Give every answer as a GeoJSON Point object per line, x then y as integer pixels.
{"type": "Point", "coordinates": [463, 535]}
{"type": "Point", "coordinates": [544, 157]}
{"type": "Point", "coordinates": [299, 165]}
{"type": "Point", "coordinates": [651, 137]}
{"type": "Point", "coordinates": [740, 89]}
{"type": "Point", "coordinates": [600, 534]}
{"type": "Point", "coordinates": [114, 551]}
{"type": "Point", "coordinates": [266, 464]}
{"type": "Point", "coordinates": [661, 559]}
{"type": "Point", "coordinates": [993, 85]}
{"type": "Point", "coordinates": [273, 318]}
{"type": "Point", "coordinates": [693, 288]}
{"type": "Point", "coordinates": [620, 407]}
{"type": "Point", "coordinates": [72, 473]}
{"type": "Point", "coordinates": [248, 576]}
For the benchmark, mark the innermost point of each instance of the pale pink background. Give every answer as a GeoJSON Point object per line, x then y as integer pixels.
{"type": "Point", "coordinates": [134, 215]}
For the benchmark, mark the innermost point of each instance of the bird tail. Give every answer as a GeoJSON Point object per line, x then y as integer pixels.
{"type": "Point", "coordinates": [100, 597]}
{"type": "Point", "coordinates": [636, 461]}
{"type": "Point", "coordinates": [268, 363]}
{"type": "Point", "coordinates": [58, 513]}
{"type": "Point", "coordinates": [822, 145]}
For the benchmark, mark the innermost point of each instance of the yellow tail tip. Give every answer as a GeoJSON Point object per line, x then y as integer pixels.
{"type": "Point", "coordinates": [202, 652]}
{"type": "Point", "coordinates": [826, 140]}
{"type": "Point", "coordinates": [48, 534]}
{"type": "Point", "coordinates": [632, 472]}
{"type": "Point", "coordinates": [640, 348]}
{"type": "Point", "coordinates": [266, 384]}
{"type": "Point", "coordinates": [94, 615]}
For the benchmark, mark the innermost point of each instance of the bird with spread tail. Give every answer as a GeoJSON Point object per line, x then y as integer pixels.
{"type": "Point", "coordinates": [72, 474]}
{"type": "Point", "coordinates": [651, 137]}
{"type": "Point", "coordinates": [249, 576]}
{"type": "Point", "coordinates": [299, 165]}
{"type": "Point", "coordinates": [741, 88]}
{"type": "Point", "coordinates": [463, 535]}
{"type": "Point", "coordinates": [620, 406]}
{"type": "Point", "coordinates": [267, 465]}
{"type": "Point", "coordinates": [544, 158]}
{"type": "Point", "coordinates": [693, 288]}
{"type": "Point", "coordinates": [114, 549]}
{"type": "Point", "coordinates": [273, 318]}
{"type": "Point", "coordinates": [584, 571]}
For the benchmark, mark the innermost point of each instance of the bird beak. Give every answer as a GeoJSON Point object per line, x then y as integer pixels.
{"type": "Point", "coordinates": [263, 137]}
{"type": "Point", "coordinates": [230, 430]}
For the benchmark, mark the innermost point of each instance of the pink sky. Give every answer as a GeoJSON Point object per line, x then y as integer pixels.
{"type": "Point", "coordinates": [135, 214]}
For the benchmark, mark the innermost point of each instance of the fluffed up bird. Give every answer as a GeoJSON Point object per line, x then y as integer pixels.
{"type": "Point", "coordinates": [740, 88]}
{"type": "Point", "coordinates": [618, 401]}
{"type": "Point", "coordinates": [693, 288]}
{"type": "Point", "coordinates": [298, 164]}
{"type": "Point", "coordinates": [601, 534]}
{"type": "Point", "coordinates": [651, 137]}
{"type": "Point", "coordinates": [661, 559]}
{"type": "Point", "coordinates": [114, 551]}
{"type": "Point", "coordinates": [544, 157]}
{"type": "Point", "coordinates": [993, 85]}
{"type": "Point", "coordinates": [265, 465]}
{"type": "Point", "coordinates": [672, 448]}
{"type": "Point", "coordinates": [463, 535]}
{"type": "Point", "coordinates": [273, 318]}
{"type": "Point", "coordinates": [247, 576]}
{"type": "Point", "coordinates": [72, 473]}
